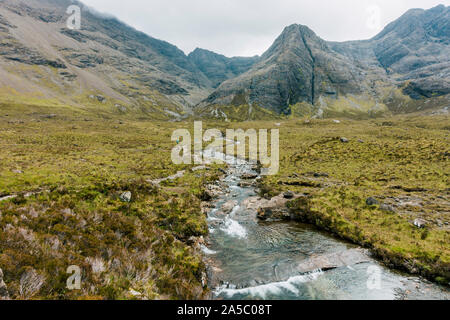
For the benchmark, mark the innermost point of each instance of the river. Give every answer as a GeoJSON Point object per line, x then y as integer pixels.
{"type": "Point", "coordinates": [251, 259]}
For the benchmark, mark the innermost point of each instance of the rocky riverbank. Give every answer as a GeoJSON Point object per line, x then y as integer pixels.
{"type": "Point", "coordinates": [254, 249]}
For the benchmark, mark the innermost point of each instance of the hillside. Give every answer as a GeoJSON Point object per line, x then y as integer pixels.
{"type": "Point", "coordinates": [106, 64]}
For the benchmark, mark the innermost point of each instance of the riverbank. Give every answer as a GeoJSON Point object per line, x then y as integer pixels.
{"type": "Point", "coordinates": [380, 184]}
{"type": "Point", "coordinates": [254, 252]}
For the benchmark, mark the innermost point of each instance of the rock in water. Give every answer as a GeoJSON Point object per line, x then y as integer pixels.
{"type": "Point", "coordinates": [126, 196]}
{"type": "Point", "coordinates": [249, 176]}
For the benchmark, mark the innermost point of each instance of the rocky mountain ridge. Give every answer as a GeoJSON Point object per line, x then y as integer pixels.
{"type": "Point", "coordinates": [108, 64]}
{"type": "Point", "coordinates": [406, 63]}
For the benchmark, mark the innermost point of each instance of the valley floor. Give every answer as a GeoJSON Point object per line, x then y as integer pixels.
{"type": "Point", "coordinates": [65, 178]}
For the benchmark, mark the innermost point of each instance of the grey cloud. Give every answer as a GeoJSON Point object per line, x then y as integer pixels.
{"type": "Point", "coordinates": [248, 27]}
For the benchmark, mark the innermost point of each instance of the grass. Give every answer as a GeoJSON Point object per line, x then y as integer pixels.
{"type": "Point", "coordinates": [403, 162]}
{"type": "Point", "coordinates": [68, 172]}
{"type": "Point", "coordinates": [76, 171]}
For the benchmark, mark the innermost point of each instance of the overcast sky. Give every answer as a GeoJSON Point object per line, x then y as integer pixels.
{"type": "Point", "coordinates": [249, 27]}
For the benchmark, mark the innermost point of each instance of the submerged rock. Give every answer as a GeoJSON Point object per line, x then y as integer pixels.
{"type": "Point", "coordinates": [334, 260]}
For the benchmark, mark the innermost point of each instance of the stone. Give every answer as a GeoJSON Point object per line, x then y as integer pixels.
{"type": "Point", "coordinates": [249, 176]}
{"type": "Point", "coordinates": [126, 196]}
{"type": "Point", "coordinates": [372, 201]}
{"type": "Point", "coordinates": [288, 195]}
{"type": "Point", "coordinates": [273, 213]}
{"type": "Point", "coordinates": [229, 206]}
{"type": "Point", "coordinates": [387, 208]}
{"type": "Point", "coordinates": [245, 184]}
{"type": "Point", "coordinates": [199, 168]}
{"type": "Point", "coordinates": [420, 223]}
{"type": "Point", "coordinates": [4, 295]}
{"type": "Point", "coordinates": [320, 175]}
{"type": "Point", "coordinates": [344, 140]}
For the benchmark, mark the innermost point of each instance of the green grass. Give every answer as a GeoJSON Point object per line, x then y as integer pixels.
{"type": "Point", "coordinates": [78, 163]}
{"type": "Point", "coordinates": [77, 170]}
{"type": "Point", "coordinates": [405, 157]}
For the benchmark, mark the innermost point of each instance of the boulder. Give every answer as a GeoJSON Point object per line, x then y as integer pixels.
{"type": "Point", "coordinates": [249, 176]}
{"type": "Point", "coordinates": [372, 201]}
{"type": "Point", "coordinates": [4, 295]}
{"type": "Point", "coordinates": [273, 213]}
{"type": "Point", "coordinates": [245, 184]}
{"type": "Point", "coordinates": [126, 196]}
{"type": "Point", "coordinates": [344, 140]}
{"type": "Point", "coordinates": [288, 195]}
{"type": "Point", "coordinates": [229, 206]}
{"type": "Point", "coordinates": [387, 208]}
{"type": "Point", "coordinates": [420, 223]}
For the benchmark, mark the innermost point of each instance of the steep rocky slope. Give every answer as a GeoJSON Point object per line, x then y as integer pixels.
{"type": "Point", "coordinates": [219, 68]}
{"type": "Point", "coordinates": [107, 65]}
{"type": "Point", "coordinates": [105, 62]}
{"type": "Point", "coordinates": [395, 71]}
{"type": "Point", "coordinates": [414, 48]}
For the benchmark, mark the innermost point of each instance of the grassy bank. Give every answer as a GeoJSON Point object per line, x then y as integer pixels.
{"type": "Point", "coordinates": [67, 172]}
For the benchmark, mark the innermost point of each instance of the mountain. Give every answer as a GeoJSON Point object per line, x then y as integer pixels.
{"type": "Point", "coordinates": [414, 48]}
{"type": "Point", "coordinates": [301, 73]}
{"type": "Point", "coordinates": [106, 63]}
{"type": "Point", "coordinates": [108, 66]}
{"type": "Point", "coordinates": [219, 68]}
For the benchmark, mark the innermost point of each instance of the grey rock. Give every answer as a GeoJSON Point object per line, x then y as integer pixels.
{"type": "Point", "coordinates": [246, 184]}
{"type": "Point", "coordinates": [229, 206]}
{"type": "Point", "coordinates": [219, 68]}
{"type": "Point", "coordinates": [249, 176]}
{"type": "Point", "coordinates": [344, 140]}
{"type": "Point", "coordinates": [387, 208]}
{"type": "Point", "coordinates": [420, 223]}
{"type": "Point", "coordinates": [126, 196]}
{"type": "Point", "coordinates": [288, 195]}
{"type": "Point", "coordinates": [4, 295]}
{"type": "Point", "coordinates": [372, 201]}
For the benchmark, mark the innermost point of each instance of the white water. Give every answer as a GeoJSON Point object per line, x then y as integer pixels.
{"type": "Point", "coordinates": [274, 288]}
